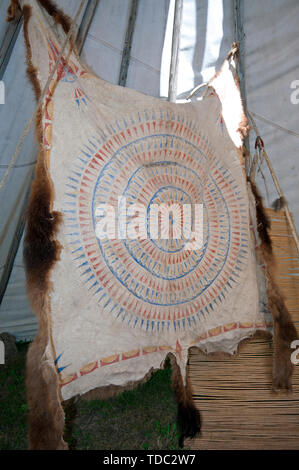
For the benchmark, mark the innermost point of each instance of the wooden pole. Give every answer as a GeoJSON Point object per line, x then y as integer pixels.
{"type": "Point", "coordinates": [10, 37]}
{"type": "Point", "coordinates": [280, 193]}
{"type": "Point", "coordinates": [15, 242]}
{"type": "Point", "coordinates": [240, 39]}
{"type": "Point", "coordinates": [125, 61]}
{"type": "Point", "coordinates": [85, 24]}
{"type": "Point", "coordinates": [277, 186]}
{"type": "Point", "coordinates": [175, 49]}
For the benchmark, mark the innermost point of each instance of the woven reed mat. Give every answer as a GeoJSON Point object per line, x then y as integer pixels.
{"type": "Point", "coordinates": [238, 408]}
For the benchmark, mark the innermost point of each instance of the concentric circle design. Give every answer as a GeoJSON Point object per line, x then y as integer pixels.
{"type": "Point", "coordinates": [170, 197]}
{"type": "Point", "coordinates": [156, 282]}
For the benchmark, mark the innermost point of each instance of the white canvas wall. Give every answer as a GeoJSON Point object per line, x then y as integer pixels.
{"type": "Point", "coordinates": [272, 63]}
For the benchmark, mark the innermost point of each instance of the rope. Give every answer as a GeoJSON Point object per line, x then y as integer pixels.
{"type": "Point", "coordinates": [29, 123]}
{"type": "Point", "coordinates": [268, 121]}
{"type": "Point", "coordinates": [196, 89]}
{"type": "Point", "coordinates": [260, 144]}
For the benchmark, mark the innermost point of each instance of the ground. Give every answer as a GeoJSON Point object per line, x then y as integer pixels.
{"type": "Point", "coordinates": [144, 418]}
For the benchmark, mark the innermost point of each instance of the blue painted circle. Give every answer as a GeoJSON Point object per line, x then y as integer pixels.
{"type": "Point", "coordinates": [143, 261]}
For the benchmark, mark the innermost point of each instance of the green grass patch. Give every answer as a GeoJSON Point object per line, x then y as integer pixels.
{"type": "Point", "coordinates": [143, 418]}
{"type": "Point", "coordinates": [13, 406]}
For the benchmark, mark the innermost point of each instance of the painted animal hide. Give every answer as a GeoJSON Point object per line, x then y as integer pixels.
{"type": "Point", "coordinates": [120, 304]}
{"type": "Point", "coordinates": [112, 308]}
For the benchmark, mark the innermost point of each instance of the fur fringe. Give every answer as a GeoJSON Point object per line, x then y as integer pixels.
{"type": "Point", "coordinates": [46, 416]}
{"type": "Point", "coordinates": [263, 223]}
{"type": "Point", "coordinates": [284, 329]}
{"type": "Point", "coordinates": [58, 15]}
{"type": "Point", "coordinates": [279, 204]}
{"type": "Point", "coordinates": [41, 251]}
{"type": "Point", "coordinates": [188, 416]}
{"type": "Point", "coordinates": [244, 126]}
{"type": "Point", "coordinates": [12, 10]}
{"type": "Point", "coordinates": [51, 8]}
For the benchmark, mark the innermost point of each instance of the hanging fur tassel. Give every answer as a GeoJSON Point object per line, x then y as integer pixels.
{"type": "Point", "coordinates": [13, 10]}
{"type": "Point", "coordinates": [279, 204]}
{"type": "Point", "coordinates": [188, 416]}
{"type": "Point", "coordinates": [284, 329]}
{"type": "Point", "coordinates": [46, 416]}
{"type": "Point", "coordinates": [41, 251]}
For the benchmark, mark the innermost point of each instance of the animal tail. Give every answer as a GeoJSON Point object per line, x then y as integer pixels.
{"type": "Point", "coordinates": [188, 416]}
{"type": "Point", "coordinates": [284, 329]}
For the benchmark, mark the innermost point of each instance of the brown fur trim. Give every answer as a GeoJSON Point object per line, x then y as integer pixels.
{"type": "Point", "coordinates": [244, 126]}
{"type": "Point", "coordinates": [234, 51]}
{"type": "Point", "coordinates": [188, 416]}
{"type": "Point", "coordinates": [58, 15]}
{"type": "Point", "coordinates": [279, 204]}
{"type": "Point", "coordinates": [284, 329]}
{"type": "Point", "coordinates": [12, 11]}
{"type": "Point", "coordinates": [40, 248]}
{"type": "Point", "coordinates": [284, 333]}
{"type": "Point", "coordinates": [51, 8]}
{"type": "Point", "coordinates": [46, 416]}
{"type": "Point", "coordinates": [263, 223]}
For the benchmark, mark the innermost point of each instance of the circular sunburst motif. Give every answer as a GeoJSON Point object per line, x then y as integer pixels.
{"type": "Point", "coordinates": [156, 277]}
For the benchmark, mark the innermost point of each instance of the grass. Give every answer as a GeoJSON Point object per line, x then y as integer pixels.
{"type": "Point", "coordinates": [13, 407]}
{"type": "Point", "coordinates": [143, 418]}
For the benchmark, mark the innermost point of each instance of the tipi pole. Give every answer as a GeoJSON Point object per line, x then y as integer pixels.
{"type": "Point", "coordinates": [238, 6]}
{"type": "Point", "coordinates": [175, 49]}
{"type": "Point", "coordinates": [125, 61]}
{"type": "Point", "coordinates": [21, 223]}
{"type": "Point", "coordinates": [10, 37]}
{"type": "Point", "coordinates": [85, 23]}
{"type": "Point", "coordinates": [277, 186]}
